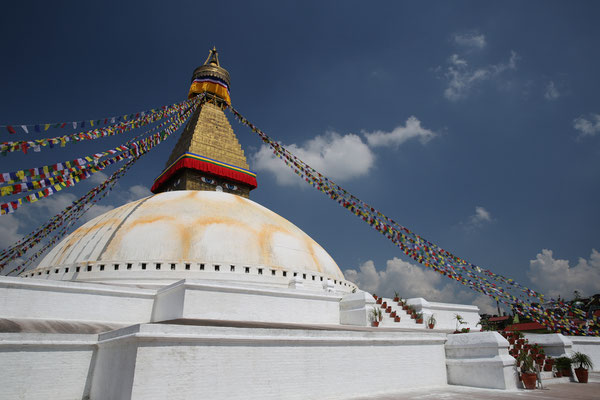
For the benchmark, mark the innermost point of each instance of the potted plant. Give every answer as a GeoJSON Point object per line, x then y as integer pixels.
{"type": "Point", "coordinates": [459, 321]}
{"type": "Point", "coordinates": [396, 297]}
{"type": "Point", "coordinates": [397, 318]}
{"type": "Point", "coordinates": [584, 362]}
{"type": "Point", "coordinates": [375, 316]}
{"type": "Point", "coordinates": [431, 321]}
{"type": "Point", "coordinates": [528, 375]}
{"type": "Point", "coordinates": [465, 330]}
{"type": "Point", "coordinates": [548, 364]}
{"type": "Point", "coordinates": [563, 365]}
{"type": "Point", "coordinates": [419, 317]}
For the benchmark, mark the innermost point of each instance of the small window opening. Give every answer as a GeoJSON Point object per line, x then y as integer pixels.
{"type": "Point", "coordinates": [172, 267]}
{"type": "Point", "coordinates": [232, 268]}
{"type": "Point", "coordinates": [143, 265]}
{"type": "Point", "coordinates": [47, 272]}
{"type": "Point", "coordinates": [295, 274]}
{"type": "Point", "coordinates": [116, 267]}
{"type": "Point", "coordinates": [187, 267]}
{"type": "Point", "coordinates": [101, 267]}
{"type": "Point", "coordinates": [247, 270]}
{"type": "Point", "coordinates": [284, 273]}
{"type": "Point", "coordinates": [201, 267]}
{"type": "Point", "coordinates": [77, 269]}
{"type": "Point", "coordinates": [260, 271]}
{"type": "Point", "coordinates": [217, 267]}
{"type": "Point", "coordinates": [303, 276]}
{"type": "Point", "coordinates": [89, 268]}
{"type": "Point", "coordinates": [313, 277]}
{"type": "Point", "coordinates": [157, 265]}
{"type": "Point", "coordinates": [129, 265]}
{"type": "Point", "coordinates": [273, 272]}
{"type": "Point", "coordinates": [66, 270]}
{"type": "Point", "coordinates": [321, 279]}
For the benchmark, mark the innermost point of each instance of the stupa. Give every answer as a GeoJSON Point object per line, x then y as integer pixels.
{"type": "Point", "coordinates": [197, 291]}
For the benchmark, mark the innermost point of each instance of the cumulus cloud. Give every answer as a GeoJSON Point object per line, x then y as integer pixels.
{"type": "Point", "coordinates": [400, 134]}
{"type": "Point", "coordinates": [551, 92]}
{"type": "Point", "coordinates": [97, 178]}
{"type": "Point", "coordinates": [470, 40]}
{"type": "Point", "coordinates": [9, 233]}
{"type": "Point", "coordinates": [462, 78]}
{"type": "Point", "coordinates": [411, 280]}
{"type": "Point", "coordinates": [340, 157]}
{"type": "Point", "coordinates": [587, 127]}
{"type": "Point", "coordinates": [480, 217]}
{"type": "Point", "coordinates": [554, 276]}
{"type": "Point", "coordinates": [137, 192]}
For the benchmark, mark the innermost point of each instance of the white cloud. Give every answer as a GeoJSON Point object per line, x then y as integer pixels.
{"type": "Point", "coordinates": [340, 157]}
{"type": "Point", "coordinates": [470, 40]}
{"type": "Point", "coordinates": [554, 276]}
{"type": "Point", "coordinates": [95, 211]}
{"type": "Point", "coordinates": [400, 134]}
{"type": "Point", "coordinates": [52, 205]}
{"type": "Point", "coordinates": [137, 192]}
{"type": "Point", "coordinates": [9, 233]}
{"type": "Point", "coordinates": [480, 217]}
{"type": "Point", "coordinates": [411, 280]}
{"type": "Point", "coordinates": [462, 78]}
{"type": "Point", "coordinates": [97, 178]}
{"type": "Point", "coordinates": [551, 92]}
{"type": "Point", "coordinates": [587, 127]}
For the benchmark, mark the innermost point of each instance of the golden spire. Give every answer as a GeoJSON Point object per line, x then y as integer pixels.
{"type": "Point", "coordinates": [208, 155]}
{"type": "Point", "coordinates": [213, 57]}
{"type": "Point", "coordinates": [211, 78]}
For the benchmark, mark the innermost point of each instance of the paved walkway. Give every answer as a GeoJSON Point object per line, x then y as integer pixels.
{"type": "Point", "coordinates": [571, 391]}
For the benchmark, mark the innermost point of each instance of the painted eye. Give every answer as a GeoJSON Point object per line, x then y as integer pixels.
{"type": "Point", "coordinates": [210, 181]}
{"type": "Point", "coordinates": [230, 186]}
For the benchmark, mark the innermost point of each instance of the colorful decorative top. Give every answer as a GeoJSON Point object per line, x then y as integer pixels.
{"type": "Point", "coordinates": [212, 78]}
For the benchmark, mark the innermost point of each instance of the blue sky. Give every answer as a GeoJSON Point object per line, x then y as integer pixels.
{"type": "Point", "coordinates": [476, 125]}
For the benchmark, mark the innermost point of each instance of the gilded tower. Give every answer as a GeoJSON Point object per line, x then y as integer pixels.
{"type": "Point", "coordinates": [208, 155]}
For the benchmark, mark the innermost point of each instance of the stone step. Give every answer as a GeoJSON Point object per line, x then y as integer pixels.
{"type": "Point", "coordinates": [405, 320]}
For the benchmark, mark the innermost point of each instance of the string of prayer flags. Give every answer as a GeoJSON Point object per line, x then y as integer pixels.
{"type": "Point", "coordinates": [498, 287]}
{"type": "Point", "coordinates": [67, 217]}
{"type": "Point", "coordinates": [42, 127]}
{"type": "Point", "coordinates": [114, 129]}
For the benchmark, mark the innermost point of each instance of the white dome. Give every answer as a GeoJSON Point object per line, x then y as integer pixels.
{"type": "Point", "coordinates": [195, 235]}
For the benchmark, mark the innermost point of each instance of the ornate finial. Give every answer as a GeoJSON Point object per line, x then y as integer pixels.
{"type": "Point", "coordinates": [213, 57]}
{"type": "Point", "coordinates": [211, 77]}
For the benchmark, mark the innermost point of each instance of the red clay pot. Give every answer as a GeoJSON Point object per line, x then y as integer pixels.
{"type": "Point", "coordinates": [529, 379]}
{"type": "Point", "coordinates": [565, 372]}
{"type": "Point", "coordinates": [396, 299]}
{"type": "Point", "coordinates": [384, 305]}
{"type": "Point", "coordinates": [397, 319]}
{"type": "Point", "coordinates": [388, 310]}
{"type": "Point", "coordinates": [419, 320]}
{"type": "Point", "coordinates": [393, 314]}
{"type": "Point", "coordinates": [582, 375]}
{"type": "Point", "coordinates": [375, 323]}
{"type": "Point", "coordinates": [431, 326]}
{"type": "Point", "coordinates": [379, 300]}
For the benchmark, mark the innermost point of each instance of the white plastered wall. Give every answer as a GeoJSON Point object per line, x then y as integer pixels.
{"type": "Point", "coordinates": [252, 363]}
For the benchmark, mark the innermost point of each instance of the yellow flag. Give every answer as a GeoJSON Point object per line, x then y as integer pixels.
{"type": "Point", "coordinates": [46, 126]}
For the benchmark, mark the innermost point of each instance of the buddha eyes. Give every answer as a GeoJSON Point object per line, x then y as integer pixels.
{"type": "Point", "coordinates": [212, 181]}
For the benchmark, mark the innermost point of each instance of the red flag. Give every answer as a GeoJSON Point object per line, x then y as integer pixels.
{"type": "Point", "coordinates": [11, 129]}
